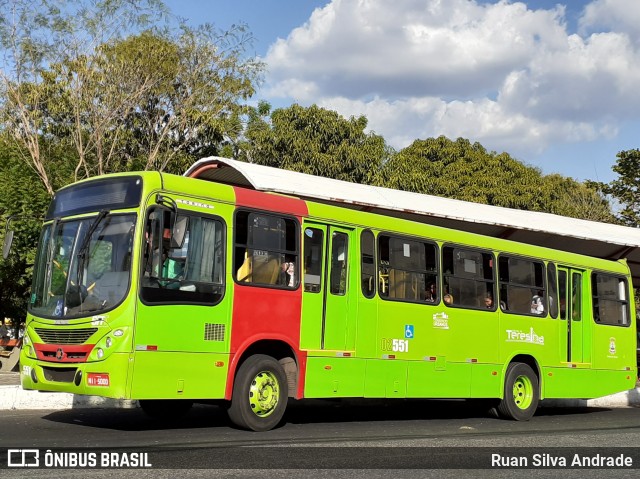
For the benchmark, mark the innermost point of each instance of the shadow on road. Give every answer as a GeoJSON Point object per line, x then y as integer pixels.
{"type": "Point", "coordinates": [310, 411]}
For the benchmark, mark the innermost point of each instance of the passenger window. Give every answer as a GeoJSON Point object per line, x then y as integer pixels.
{"type": "Point", "coordinates": [313, 246]}
{"type": "Point", "coordinates": [406, 269]}
{"type": "Point", "coordinates": [183, 259]}
{"type": "Point", "coordinates": [266, 250]}
{"type": "Point", "coordinates": [339, 245]}
{"type": "Point", "coordinates": [610, 299]}
{"type": "Point", "coordinates": [367, 264]}
{"type": "Point", "coordinates": [468, 278]}
{"type": "Point", "coordinates": [522, 288]}
{"type": "Point", "coordinates": [553, 290]}
{"type": "Point", "coordinates": [562, 292]}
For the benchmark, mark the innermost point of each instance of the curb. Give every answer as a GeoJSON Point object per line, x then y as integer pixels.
{"type": "Point", "coordinates": [15, 398]}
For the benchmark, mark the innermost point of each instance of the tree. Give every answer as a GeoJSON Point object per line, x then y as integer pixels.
{"type": "Point", "coordinates": [568, 197]}
{"type": "Point", "coordinates": [195, 104]}
{"type": "Point", "coordinates": [56, 32]}
{"type": "Point", "coordinates": [152, 100]}
{"type": "Point", "coordinates": [316, 141]}
{"type": "Point", "coordinates": [462, 170]}
{"type": "Point", "coordinates": [26, 200]}
{"type": "Point", "coordinates": [625, 189]}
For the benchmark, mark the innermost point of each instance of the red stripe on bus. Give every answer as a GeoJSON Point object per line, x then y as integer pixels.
{"type": "Point", "coordinates": [270, 202]}
{"type": "Point", "coordinates": [262, 313]}
{"type": "Point", "coordinates": [63, 353]}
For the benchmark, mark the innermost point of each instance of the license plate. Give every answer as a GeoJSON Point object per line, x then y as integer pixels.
{"type": "Point", "coordinates": [98, 379]}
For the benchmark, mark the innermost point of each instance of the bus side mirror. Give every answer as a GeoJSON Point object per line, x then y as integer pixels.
{"type": "Point", "coordinates": [6, 247]}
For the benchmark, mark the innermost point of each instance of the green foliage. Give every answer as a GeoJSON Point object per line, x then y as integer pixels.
{"type": "Point", "coordinates": [465, 171]}
{"type": "Point", "coordinates": [568, 197]}
{"type": "Point", "coordinates": [626, 188]}
{"type": "Point", "coordinates": [56, 33]}
{"type": "Point", "coordinates": [316, 141]}
{"type": "Point", "coordinates": [79, 81]}
{"type": "Point", "coordinates": [25, 198]}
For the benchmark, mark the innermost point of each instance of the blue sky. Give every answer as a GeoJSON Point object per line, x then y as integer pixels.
{"type": "Point", "coordinates": [553, 83]}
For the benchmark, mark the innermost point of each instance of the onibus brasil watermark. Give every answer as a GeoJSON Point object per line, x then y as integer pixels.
{"type": "Point", "coordinates": [34, 458]}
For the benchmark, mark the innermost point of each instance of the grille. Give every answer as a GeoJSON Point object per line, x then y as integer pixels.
{"type": "Point", "coordinates": [59, 375]}
{"type": "Point", "coordinates": [65, 336]}
{"type": "Point", "coordinates": [213, 332]}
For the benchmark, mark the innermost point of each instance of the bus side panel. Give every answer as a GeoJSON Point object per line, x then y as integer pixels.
{"type": "Point", "coordinates": [585, 383]}
{"type": "Point", "coordinates": [181, 375]}
{"type": "Point", "coordinates": [438, 379]}
{"type": "Point", "coordinates": [486, 381]}
{"type": "Point", "coordinates": [613, 347]}
{"type": "Point", "coordinates": [263, 314]}
{"type": "Point", "coordinates": [334, 377]}
{"type": "Point", "coordinates": [386, 378]}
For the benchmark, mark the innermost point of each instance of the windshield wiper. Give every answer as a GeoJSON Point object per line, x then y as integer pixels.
{"type": "Point", "coordinates": [82, 253]}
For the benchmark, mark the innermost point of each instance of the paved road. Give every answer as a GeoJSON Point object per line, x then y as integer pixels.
{"type": "Point", "coordinates": [353, 436]}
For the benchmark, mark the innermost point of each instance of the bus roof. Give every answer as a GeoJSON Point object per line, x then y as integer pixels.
{"type": "Point", "coordinates": [600, 240]}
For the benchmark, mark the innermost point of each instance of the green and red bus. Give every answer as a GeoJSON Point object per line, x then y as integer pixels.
{"type": "Point", "coordinates": [172, 290]}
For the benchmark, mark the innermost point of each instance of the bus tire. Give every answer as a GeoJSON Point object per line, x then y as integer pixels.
{"type": "Point", "coordinates": [259, 394]}
{"type": "Point", "coordinates": [521, 393]}
{"type": "Point", "coordinates": [165, 408]}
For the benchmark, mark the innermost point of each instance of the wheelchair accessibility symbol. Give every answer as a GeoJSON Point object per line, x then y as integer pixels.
{"type": "Point", "coordinates": [408, 331]}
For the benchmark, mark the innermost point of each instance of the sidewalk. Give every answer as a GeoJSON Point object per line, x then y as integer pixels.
{"type": "Point", "coordinates": [13, 397]}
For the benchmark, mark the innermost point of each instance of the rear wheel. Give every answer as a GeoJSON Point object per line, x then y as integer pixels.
{"type": "Point", "coordinates": [521, 393]}
{"type": "Point", "coordinates": [259, 394]}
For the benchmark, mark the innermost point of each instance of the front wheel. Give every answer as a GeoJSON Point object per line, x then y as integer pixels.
{"type": "Point", "coordinates": [521, 393]}
{"type": "Point", "coordinates": [259, 394]}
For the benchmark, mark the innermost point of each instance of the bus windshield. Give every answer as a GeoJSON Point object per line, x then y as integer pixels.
{"type": "Point", "coordinates": [82, 266]}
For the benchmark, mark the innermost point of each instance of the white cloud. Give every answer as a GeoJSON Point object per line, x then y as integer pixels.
{"type": "Point", "coordinates": [607, 15]}
{"type": "Point", "coordinates": [510, 77]}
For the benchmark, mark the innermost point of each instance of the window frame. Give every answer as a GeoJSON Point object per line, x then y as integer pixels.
{"type": "Point", "coordinates": [322, 261]}
{"type": "Point", "coordinates": [494, 281]}
{"type": "Point", "coordinates": [544, 288]}
{"type": "Point", "coordinates": [297, 253]}
{"type": "Point", "coordinates": [415, 239]}
{"type": "Point", "coordinates": [595, 298]}
{"type": "Point", "coordinates": [345, 267]}
{"type": "Point", "coordinates": [554, 311]}
{"type": "Point", "coordinates": [374, 276]}
{"type": "Point", "coordinates": [169, 294]}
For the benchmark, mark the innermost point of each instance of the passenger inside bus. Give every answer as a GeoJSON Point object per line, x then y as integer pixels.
{"type": "Point", "coordinates": [431, 293]}
{"type": "Point", "coordinates": [537, 303]}
{"type": "Point", "coordinates": [488, 301]}
{"type": "Point", "coordinates": [159, 263]}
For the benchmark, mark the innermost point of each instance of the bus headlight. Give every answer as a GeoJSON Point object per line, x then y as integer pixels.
{"type": "Point", "coordinates": [100, 353]}
{"type": "Point", "coordinates": [108, 342]}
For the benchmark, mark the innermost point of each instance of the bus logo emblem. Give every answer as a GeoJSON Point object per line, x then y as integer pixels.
{"type": "Point", "coordinates": [612, 345]}
{"type": "Point", "coordinates": [59, 354]}
{"type": "Point", "coordinates": [441, 321]}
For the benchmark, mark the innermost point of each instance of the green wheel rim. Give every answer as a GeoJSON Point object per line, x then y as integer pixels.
{"type": "Point", "coordinates": [523, 392]}
{"type": "Point", "coordinates": [264, 394]}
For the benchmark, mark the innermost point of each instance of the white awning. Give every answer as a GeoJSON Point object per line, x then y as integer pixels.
{"type": "Point", "coordinates": [591, 238]}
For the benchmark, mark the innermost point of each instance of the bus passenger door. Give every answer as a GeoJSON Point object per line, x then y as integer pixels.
{"type": "Point", "coordinates": [325, 283]}
{"type": "Point", "coordinates": [571, 304]}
